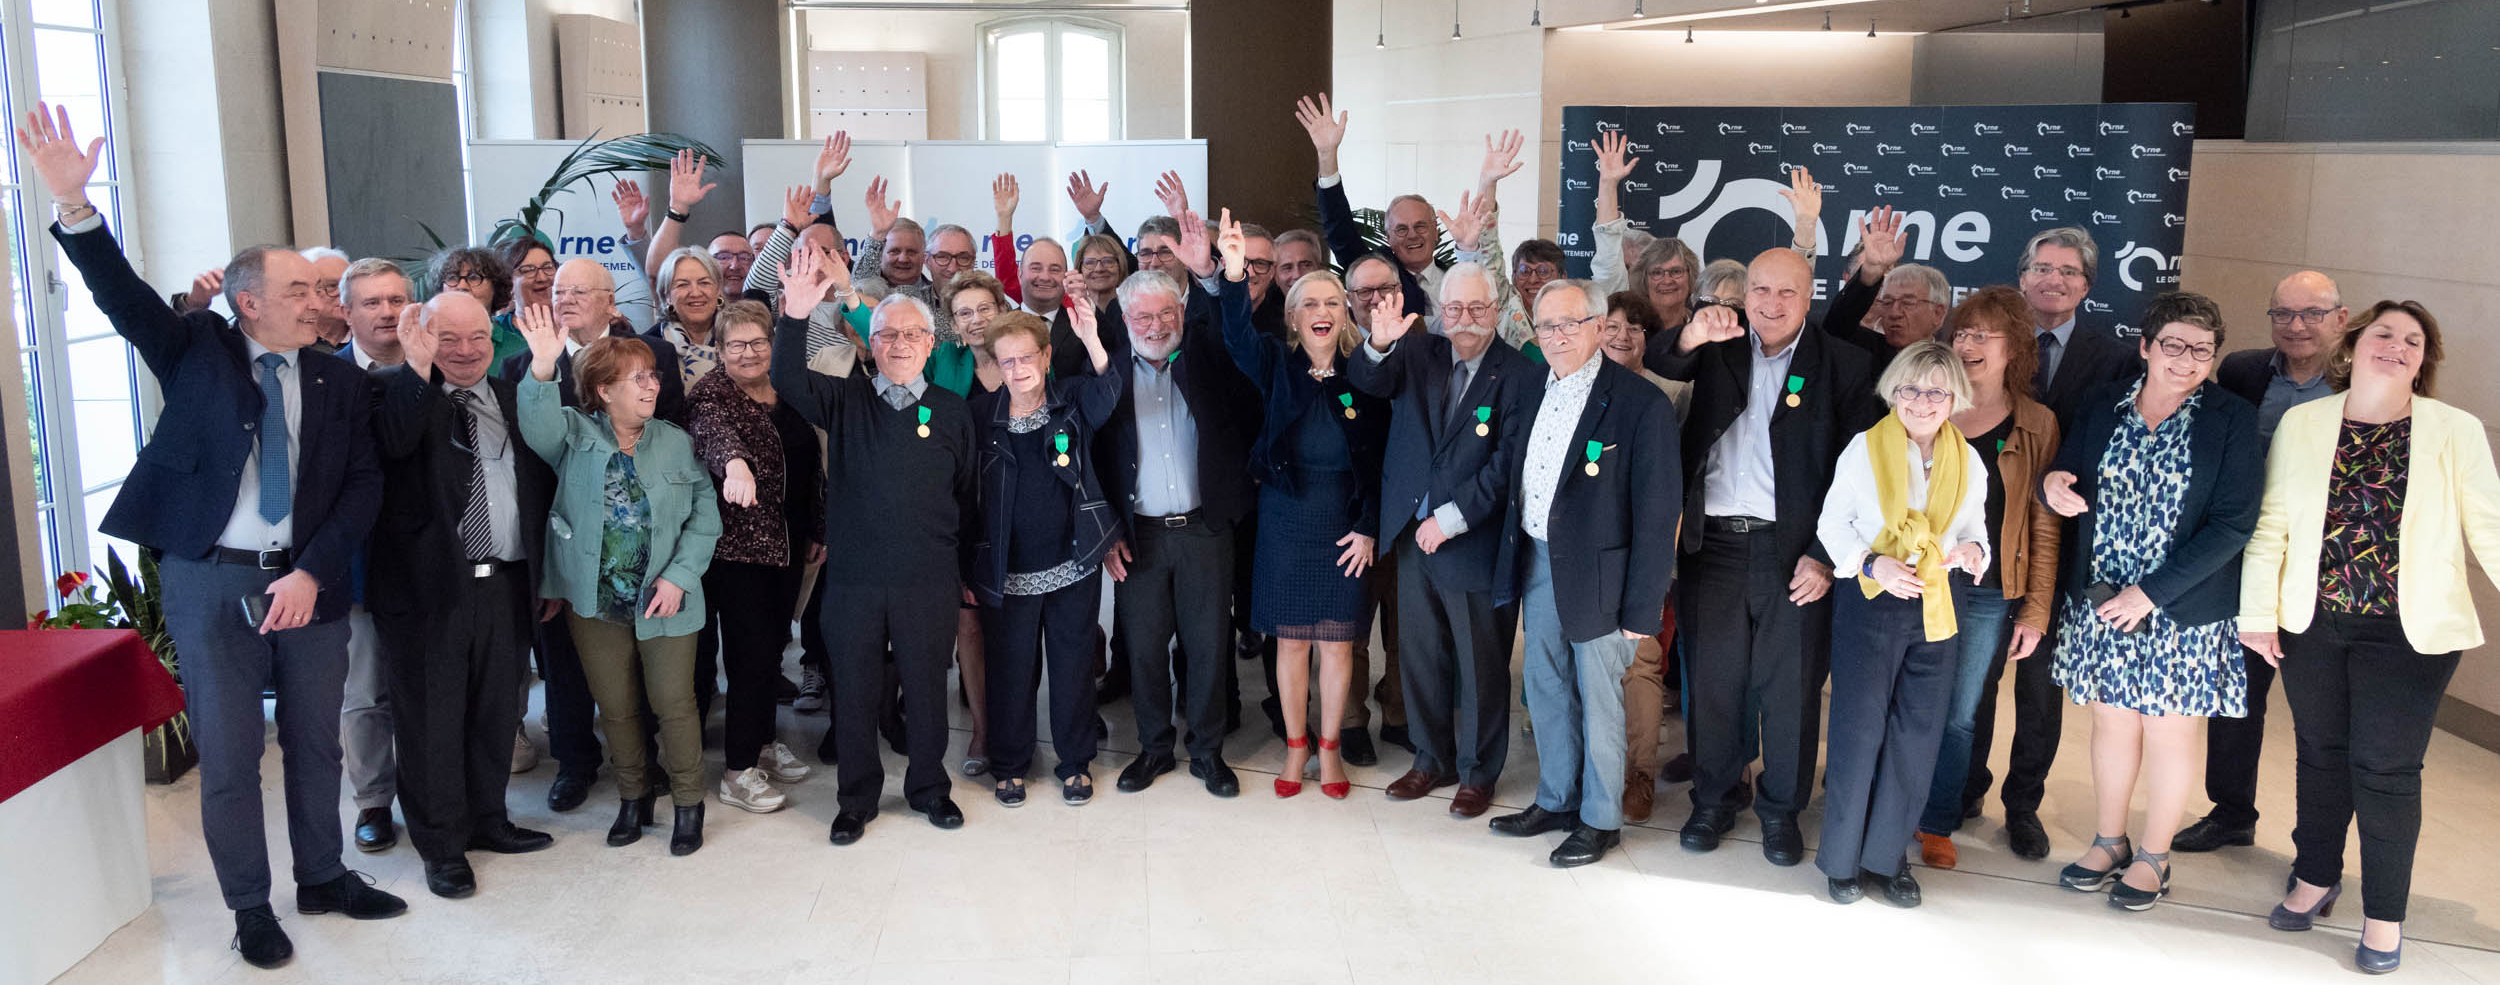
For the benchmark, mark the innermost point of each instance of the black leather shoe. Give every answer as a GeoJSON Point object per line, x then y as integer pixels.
{"type": "Point", "coordinates": [1533, 821]}
{"type": "Point", "coordinates": [944, 814]}
{"type": "Point", "coordinates": [451, 878]}
{"type": "Point", "coordinates": [567, 793]}
{"type": "Point", "coordinates": [1220, 779]}
{"type": "Point", "coordinates": [1782, 845]}
{"type": "Point", "coordinates": [631, 817]}
{"type": "Point", "coordinates": [1844, 891]}
{"type": "Point", "coordinates": [256, 934]}
{"type": "Point", "coordinates": [1585, 845]}
{"type": "Point", "coordinates": [1900, 890]}
{"type": "Point", "coordinates": [849, 825]}
{"type": "Point", "coordinates": [1678, 769]}
{"type": "Point", "coordinates": [2023, 832]}
{"type": "Point", "coordinates": [688, 835]}
{"type": "Point", "coordinates": [1702, 831]}
{"type": "Point", "coordinates": [1357, 749]}
{"type": "Point", "coordinates": [2203, 836]}
{"type": "Point", "coordinates": [510, 839]}
{"type": "Point", "coordinates": [374, 830]}
{"type": "Point", "coordinates": [2378, 962]}
{"type": "Point", "coordinates": [1396, 735]}
{"type": "Point", "coordinates": [351, 894]}
{"type": "Point", "coordinates": [1141, 772]}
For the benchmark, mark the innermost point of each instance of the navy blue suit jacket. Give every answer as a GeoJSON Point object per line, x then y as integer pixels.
{"type": "Point", "coordinates": [181, 490]}
{"type": "Point", "coordinates": [1610, 536]}
{"type": "Point", "coordinates": [1282, 372]}
{"type": "Point", "coordinates": [1434, 459]}
{"type": "Point", "coordinates": [2199, 582]}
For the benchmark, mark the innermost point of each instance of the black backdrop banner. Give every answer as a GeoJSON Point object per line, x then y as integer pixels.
{"type": "Point", "coordinates": [1977, 182]}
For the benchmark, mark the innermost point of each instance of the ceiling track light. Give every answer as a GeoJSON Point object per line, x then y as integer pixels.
{"type": "Point", "coordinates": [1688, 34]}
{"type": "Point", "coordinates": [1536, 14]}
{"type": "Point", "coordinates": [1870, 27]}
{"type": "Point", "coordinates": [1827, 20]}
{"type": "Point", "coordinates": [1380, 39]}
{"type": "Point", "coordinates": [1636, 8]}
{"type": "Point", "coordinates": [2009, 14]}
{"type": "Point", "coordinates": [1454, 35]}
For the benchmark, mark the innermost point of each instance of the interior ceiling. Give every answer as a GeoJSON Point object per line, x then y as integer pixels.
{"type": "Point", "coordinates": [1889, 16]}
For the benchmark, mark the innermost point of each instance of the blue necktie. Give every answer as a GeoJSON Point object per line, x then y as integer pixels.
{"type": "Point", "coordinates": [275, 501]}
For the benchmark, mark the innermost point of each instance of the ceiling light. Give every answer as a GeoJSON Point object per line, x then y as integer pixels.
{"type": "Point", "coordinates": [1636, 8]}
{"type": "Point", "coordinates": [1381, 26]}
{"type": "Point", "coordinates": [1688, 34]}
{"type": "Point", "coordinates": [1536, 15]}
{"type": "Point", "coordinates": [1453, 20]}
{"type": "Point", "coordinates": [1870, 27]}
{"type": "Point", "coordinates": [1827, 20]}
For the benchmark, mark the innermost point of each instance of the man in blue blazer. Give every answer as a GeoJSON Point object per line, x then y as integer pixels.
{"type": "Point", "coordinates": [256, 486]}
{"type": "Point", "coordinates": [1463, 399]}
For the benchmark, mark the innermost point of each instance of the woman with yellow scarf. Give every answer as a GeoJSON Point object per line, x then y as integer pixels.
{"type": "Point", "coordinates": [1907, 514]}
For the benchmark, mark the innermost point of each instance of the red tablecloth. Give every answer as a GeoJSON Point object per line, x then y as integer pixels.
{"type": "Point", "coordinates": [66, 692]}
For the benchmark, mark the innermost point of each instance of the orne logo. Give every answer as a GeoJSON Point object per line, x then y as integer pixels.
{"type": "Point", "coordinates": [1884, 189]}
{"type": "Point", "coordinates": [1755, 148]}
{"type": "Point", "coordinates": [1952, 150]}
{"type": "Point", "coordinates": [1820, 148]}
{"type": "Point", "coordinates": [1575, 146]}
{"type": "Point", "coordinates": [1576, 184]}
{"type": "Point", "coordinates": [1918, 170]}
{"type": "Point", "coordinates": [1637, 186]}
{"type": "Point", "coordinates": [2173, 220]}
{"type": "Point", "coordinates": [1853, 168]}
{"type": "Point", "coordinates": [1985, 130]}
{"type": "Point", "coordinates": [1982, 171]}
{"type": "Point", "coordinates": [1885, 150]}
{"type": "Point", "coordinates": [1793, 129]}
{"type": "Point", "coordinates": [1669, 129]}
{"type": "Point", "coordinates": [1667, 167]}
{"type": "Point", "coordinates": [2109, 129]}
{"type": "Point", "coordinates": [2048, 129]}
{"type": "Point", "coordinates": [1854, 129]}
{"type": "Point", "coordinates": [2078, 195]}
{"type": "Point", "coordinates": [2096, 307]}
{"type": "Point", "coordinates": [2178, 174]}
{"type": "Point", "coordinates": [2100, 218]}
{"type": "Point", "coordinates": [2043, 172]}
{"type": "Point", "coordinates": [1635, 147]}
{"type": "Point", "coordinates": [2140, 152]}
{"type": "Point", "coordinates": [2078, 150]}
{"type": "Point", "coordinates": [2107, 174]}
{"type": "Point", "coordinates": [2135, 197]}
{"type": "Point", "coordinates": [1950, 191]}
{"type": "Point", "coordinates": [2043, 215]}
{"type": "Point", "coordinates": [1924, 129]}
{"type": "Point", "coordinates": [2183, 129]}
{"type": "Point", "coordinates": [1726, 129]}
{"type": "Point", "coordinates": [2017, 150]}
{"type": "Point", "coordinates": [2010, 193]}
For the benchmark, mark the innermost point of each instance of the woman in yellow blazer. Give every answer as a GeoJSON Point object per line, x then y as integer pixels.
{"type": "Point", "coordinates": [2354, 585]}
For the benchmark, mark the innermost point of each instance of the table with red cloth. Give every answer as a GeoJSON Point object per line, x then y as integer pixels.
{"type": "Point", "coordinates": [74, 705]}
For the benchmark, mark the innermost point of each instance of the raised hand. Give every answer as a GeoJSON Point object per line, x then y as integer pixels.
{"type": "Point", "coordinates": [1882, 240]}
{"type": "Point", "coordinates": [805, 279]}
{"type": "Point", "coordinates": [537, 324]}
{"type": "Point", "coordinates": [1234, 246]}
{"type": "Point", "coordinates": [832, 160]}
{"type": "Point", "coordinates": [1804, 195]}
{"type": "Point", "coordinates": [53, 143]}
{"type": "Point", "coordinates": [685, 180]}
{"type": "Point", "coordinates": [1326, 127]}
{"type": "Point", "coordinates": [1172, 193]}
{"type": "Point", "coordinates": [1088, 329]}
{"type": "Point", "coordinates": [417, 344]}
{"type": "Point", "coordinates": [1193, 245]}
{"type": "Point", "coordinates": [1004, 196]}
{"type": "Point", "coordinates": [1612, 166]}
{"type": "Point", "coordinates": [1501, 160]}
{"type": "Point", "coordinates": [1086, 196]}
{"type": "Point", "coordinates": [631, 206]}
{"type": "Point", "coordinates": [881, 213]}
{"type": "Point", "coordinates": [1713, 323]}
{"type": "Point", "coordinates": [1467, 227]}
{"type": "Point", "coordinates": [1390, 321]}
{"type": "Point", "coordinates": [204, 289]}
{"type": "Point", "coordinates": [2058, 490]}
{"type": "Point", "coordinates": [798, 207]}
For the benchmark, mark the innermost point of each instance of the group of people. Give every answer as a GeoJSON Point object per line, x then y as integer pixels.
{"type": "Point", "coordinates": [1678, 495]}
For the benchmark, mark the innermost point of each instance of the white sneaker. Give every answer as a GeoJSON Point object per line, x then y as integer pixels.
{"type": "Point", "coordinates": [811, 697]}
{"type": "Point", "coordinates": [747, 790]}
{"type": "Point", "coordinates": [781, 764]}
{"type": "Point", "coordinates": [524, 755]}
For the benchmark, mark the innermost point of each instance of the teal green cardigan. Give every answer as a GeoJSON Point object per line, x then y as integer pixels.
{"type": "Point", "coordinates": [685, 518]}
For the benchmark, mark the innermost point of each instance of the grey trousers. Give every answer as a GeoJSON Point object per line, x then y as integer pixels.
{"type": "Point", "coordinates": [365, 721]}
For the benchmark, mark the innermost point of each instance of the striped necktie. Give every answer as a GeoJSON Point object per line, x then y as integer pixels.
{"type": "Point", "coordinates": [477, 532]}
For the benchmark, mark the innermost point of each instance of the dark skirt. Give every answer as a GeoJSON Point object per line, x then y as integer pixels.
{"type": "Point", "coordinates": [1299, 592]}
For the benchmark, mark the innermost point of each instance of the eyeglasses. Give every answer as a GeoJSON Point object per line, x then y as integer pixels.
{"type": "Point", "coordinates": [724, 259]}
{"type": "Point", "coordinates": [982, 310]}
{"type": "Point", "coordinates": [328, 289]}
{"type": "Point", "coordinates": [1908, 394]}
{"type": "Point", "coordinates": [895, 336]}
{"type": "Point", "coordinates": [1559, 326]}
{"type": "Point", "coordinates": [463, 277]}
{"type": "Point", "coordinates": [2203, 352]}
{"type": "Point", "coordinates": [1158, 254]}
{"type": "Point", "coordinates": [1371, 295]}
{"type": "Point", "coordinates": [1102, 263]}
{"type": "Point", "coordinates": [548, 269]}
{"type": "Point", "coordinates": [579, 293]}
{"type": "Point", "coordinates": [644, 378]}
{"type": "Point", "coordinates": [2312, 317]}
{"type": "Point", "coordinates": [1472, 309]}
{"type": "Point", "coordinates": [1545, 270]}
{"type": "Point", "coordinates": [958, 259]}
{"type": "Point", "coordinates": [1261, 266]}
{"type": "Point", "coordinates": [2053, 270]}
{"type": "Point", "coordinates": [1019, 362]}
{"type": "Point", "coordinates": [1895, 301]}
{"type": "Point", "coordinates": [1977, 336]}
{"type": "Point", "coordinates": [746, 345]}
{"type": "Point", "coordinates": [1167, 316]}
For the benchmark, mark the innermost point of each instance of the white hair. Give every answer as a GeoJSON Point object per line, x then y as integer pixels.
{"type": "Point", "coordinates": [877, 318]}
{"type": "Point", "coordinates": [1146, 282]}
{"type": "Point", "coordinates": [1458, 271]}
{"type": "Point", "coordinates": [1925, 278]}
{"type": "Point", "coordinates": [319, 253]}
{"type": "Point", "coordinates": [1587, 289]}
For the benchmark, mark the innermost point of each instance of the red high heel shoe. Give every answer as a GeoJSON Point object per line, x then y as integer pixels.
{"type": "Point", "coordinates": [1337, 790]}
{"type": "Point", "coordinates": [1285, 787]}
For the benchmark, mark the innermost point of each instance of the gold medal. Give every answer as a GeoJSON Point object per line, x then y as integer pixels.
{"type": "Point", "coordinates": [1793, 401]}
{"type": "Point", "coordinates": [1590, 468]}
{"type": "Point", "coordinates": [1349, 413]}
{"type": "Point", "coordinates": [1063, 461]}
{"type": "Point", "coordinates": [922, 412]}
{"type": "Point", "coordinates": [1483, 429]}
{"type": "Point", "coordinates": [924, 430]}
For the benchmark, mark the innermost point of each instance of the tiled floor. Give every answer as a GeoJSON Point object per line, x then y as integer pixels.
{"type": "Point", "coordinates": [1172, 885]}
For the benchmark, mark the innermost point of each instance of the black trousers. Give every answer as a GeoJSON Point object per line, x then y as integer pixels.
{"type": "Point", "coordinates": [1025, 634]}
{"type": "Point", "coordinates": [1892, 690]}
{"type": "Point", "coordinates": [455, 679]}
{"type": "Point", "coordinates": [918, 622]}
{"type": "Point", "coordinates": [1176, 587]}
{"type": "Point", "coordinates": [572, 721]}
{"type": "Point", "coordinates": [751, 603]}
{"type": "Point", "coordinates": [2363, 704]}
{"type": "Point", "coordinates": [2232, 748]}
{"type": "Point", "coordinates": [2039, 721]}
{"type": "Point", "coordinates": [1748, 640]}
{"type": "Point", "coordinates": [1456, 673]}
{"type": "Point", "coordinates": [707, 663]}
{"type": "Point", "coordinates": [812, 652]}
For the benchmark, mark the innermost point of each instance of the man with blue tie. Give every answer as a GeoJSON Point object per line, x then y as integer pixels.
{"type": "Point", "coordinates": [256, 486]}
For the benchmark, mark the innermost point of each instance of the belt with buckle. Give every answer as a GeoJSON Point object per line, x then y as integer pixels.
{"type": "Point", "coordinates": [489, 568]}
{"type": "Point", "coordinates": [1172, 522]}
{"type": "Point", "coordinates": [1737, 524]}
{"type": "Point", "coordinates": [277, 560]}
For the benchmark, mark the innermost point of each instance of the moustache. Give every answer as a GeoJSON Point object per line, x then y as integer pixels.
{"type": "Point", "coordinates": [1468, 330]}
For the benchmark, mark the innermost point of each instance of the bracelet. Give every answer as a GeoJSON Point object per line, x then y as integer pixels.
{"type": "Point", "coordinates": [676, 216]}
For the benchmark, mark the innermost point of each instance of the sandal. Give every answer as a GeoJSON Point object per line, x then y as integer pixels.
{"type": "Point", "coordinates": [1009, 791]}
{"type": "Point", "coordinates": [2083, 879]}
{"type": "Point", "coordinates": [1077, 790]}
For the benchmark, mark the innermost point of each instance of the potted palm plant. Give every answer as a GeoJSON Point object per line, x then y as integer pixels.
{"type": "Point", "coordinates": [135, 604]}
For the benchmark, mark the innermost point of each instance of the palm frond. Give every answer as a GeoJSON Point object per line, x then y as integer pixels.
{"type": "Point", "coordinates": [591, 158]}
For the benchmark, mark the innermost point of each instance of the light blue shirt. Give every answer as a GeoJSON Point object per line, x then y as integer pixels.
{"type": "Point", "coordinates": [1167, 442]}
{"type": "Point", "coordinates": [1738, 479]}
{"type": "Point", "coordinates": [2284, 393]}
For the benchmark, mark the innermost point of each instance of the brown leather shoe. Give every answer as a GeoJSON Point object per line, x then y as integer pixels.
{"type": "Point", "coordinates": [1937, 850]}
{"type": "Point", "coordinates": [1640, 793]}
{"type": "Point", "coordinates": [1471, 801]}
{"type": "Point", "coordinates": [1417, 783]}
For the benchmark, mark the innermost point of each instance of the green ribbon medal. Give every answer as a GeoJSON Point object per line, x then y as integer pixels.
{"type": "Point", "coordinates": [1593, 450]}
{"type": "Point", "coordinates": [1347, 399]}
{"type": "Point", "coordinates": [1795, 384]}
{"type": "Point", "coordinates": [1484, 418]}
{"type": "Point", "coordinates": [1060, 441]}
{"type": "Point", "coordinates": [924, 420]}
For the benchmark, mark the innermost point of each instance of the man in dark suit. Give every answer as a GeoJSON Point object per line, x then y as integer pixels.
{"type": "Point", "coordinates": [2058, 269]}
{"type": "Point", "coordinates": [463, 516]}
{"type": "Point", "coordinates": [1410, 226]}
{"type": "Point", "coordinates": [1596, 483]}
{"type": "Point", "coordinates": [1462, 400]}
{"type": "Point", "coordinates": [1175, 455]}
{"type": "Point", "coordinates": [1772, 407]}
{"type": "Point", "coordinates": [2306, 314]}
{"type": "Point", "coordinates": [256, 486]}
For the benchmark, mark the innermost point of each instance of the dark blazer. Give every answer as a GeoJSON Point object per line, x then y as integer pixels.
{"type": "Point", "coordinates": [1433, 459]}
{"type": "Point", "coordinates": [1848, 308]}
{"type": "Point", "coordinates": [181, 489]}
{"type": "Point", "coordinates": [2247, 374]}
{"type": "Point", "coordinates": [1345, 239]}
{"type": "Point", "coordinates": [2200, 581]}
{"type": "Point", "coordinates": [1221, 400]}
{"type": "Point", "coordinates": [2095, 355]}
{"type": "Point", "coordinates": [1282, 372]}
{"type": "Point", "coordinates": [1610, 536]}
{"type": "Point", "coordinates": [1836, 401]}
{"type": "Point", "coordinates": [672, 403]}
{"type": "Point", "coordinates": [1078, 407]}
{"type": "Point", "coordinates": [416, 431]}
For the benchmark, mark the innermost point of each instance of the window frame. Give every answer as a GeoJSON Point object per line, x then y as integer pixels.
{"type": "Point", "coordinates": [1052, 28]}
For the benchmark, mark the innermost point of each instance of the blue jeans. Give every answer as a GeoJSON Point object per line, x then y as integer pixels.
{"type": "Point", "coordinates": [1986, 618]}
{"type": "Point", "coordinates": [1575, 696]}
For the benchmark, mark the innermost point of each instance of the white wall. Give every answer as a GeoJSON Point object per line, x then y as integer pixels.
{"type": "Point", "coordinates": [1155, 54]}
{"type": "Point", "coordinates": [2050, 60]}
{"type": "Point", "coordinates": [512, 50]}
{"type": "Point", "coordinates": [197, 192]}
{"type": "Point", "coordinates": [1418, 111]}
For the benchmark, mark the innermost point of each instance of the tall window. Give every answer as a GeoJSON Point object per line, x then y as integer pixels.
{"type": "Point", "coordinates": [1051, 79]}
{"type": "Point", "coordinates": [82, 382]}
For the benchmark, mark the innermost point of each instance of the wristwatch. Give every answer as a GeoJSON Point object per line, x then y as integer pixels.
{"type": "Point", "coordinates": [676, 216]}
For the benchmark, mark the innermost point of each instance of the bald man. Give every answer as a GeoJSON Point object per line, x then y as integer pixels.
{"type": "Point", "coordinates": [1772, 406]}
{"type": "Point", "coordinates": [2307, 315]}
{"type": "Point", "coordinates": [452, 582]}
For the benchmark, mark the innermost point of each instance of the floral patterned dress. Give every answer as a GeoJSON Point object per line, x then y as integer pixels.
{"type": "Point", "coordinates": [2167, 668]}
{"type": "Point", "coordinates": [2365, 501]}
{"type": "Point", "coordinates": [624, 542]}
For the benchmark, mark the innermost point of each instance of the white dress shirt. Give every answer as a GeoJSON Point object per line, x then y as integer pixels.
{"type": "Point", "coordinates": [245, 530]}
{"type": "Point", "coordinates": [503, 488]}
{"type": "Point", "coordinates": [1738, 477]}
{"type": "Point", "coordinates": [1549, 444]}
{"type": "Point", "coordinates": [1853, 515]}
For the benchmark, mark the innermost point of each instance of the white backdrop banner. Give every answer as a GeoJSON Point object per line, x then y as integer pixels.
{"type": "Point", "coordinates": [582, 220]}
